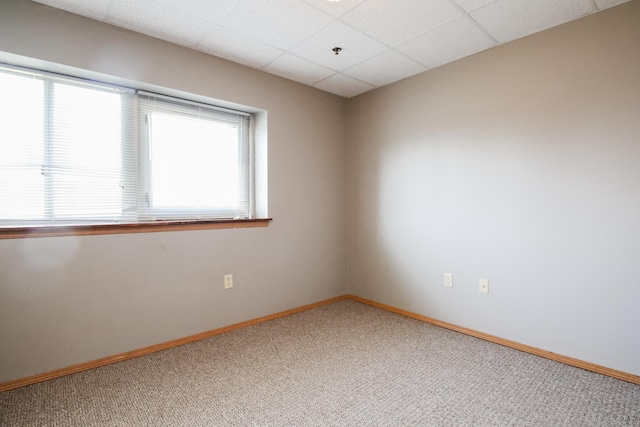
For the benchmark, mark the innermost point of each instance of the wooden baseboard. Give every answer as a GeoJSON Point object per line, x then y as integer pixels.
{"type": "Point", "coordinates": [507, 343]}
{"type": "Point", "coordinates": [21, 382]}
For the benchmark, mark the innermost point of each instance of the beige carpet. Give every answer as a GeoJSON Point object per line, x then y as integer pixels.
{"type": "Point", "coordinates": [345, 364]}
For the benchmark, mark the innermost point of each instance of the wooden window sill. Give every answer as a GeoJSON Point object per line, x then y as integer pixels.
{"type": "Point", "coordinates": [146, 227]}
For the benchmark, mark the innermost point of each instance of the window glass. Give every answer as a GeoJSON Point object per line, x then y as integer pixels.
{"type": "Point", "coordinates": [181, 180]}
{"type": "Point", "coordinates": [74, 151]}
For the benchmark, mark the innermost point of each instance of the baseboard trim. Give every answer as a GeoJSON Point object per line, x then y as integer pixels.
{"type": "Point", "coordinates": [21, 382]}
{"type": "Point", "coordinates": [507, 343]}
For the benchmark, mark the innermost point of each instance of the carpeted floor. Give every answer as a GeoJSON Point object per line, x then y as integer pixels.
{"type": "Point", "coordinates": [345, 364]}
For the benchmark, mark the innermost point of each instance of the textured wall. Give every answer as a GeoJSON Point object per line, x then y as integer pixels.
{"type": "Point", "coordinates": [520, 165]}
{"type": "Point", "coordinates": [73, 299]}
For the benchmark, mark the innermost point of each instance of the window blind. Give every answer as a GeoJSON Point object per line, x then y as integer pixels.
{"type": "Point", "coordinates": [61, 149]}
{"type": "Point", "coordinates": [74, 151]}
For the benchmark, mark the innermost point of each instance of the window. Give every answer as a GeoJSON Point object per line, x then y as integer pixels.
{"type": "Point", "coordinates": [79, 152]}
{"type": "Point", "coordinates": [197, 160]}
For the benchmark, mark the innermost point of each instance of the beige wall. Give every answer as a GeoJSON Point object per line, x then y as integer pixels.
{"type": "Point", "coordinates": [69, 300]}
{"type": "Point", "coordinates": [520, 165]}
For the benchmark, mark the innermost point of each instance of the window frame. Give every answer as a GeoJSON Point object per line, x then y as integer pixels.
{"type": "Point", "coordinates": [42, 228]}
{"type": "Point", "coordinates": [149, 103]}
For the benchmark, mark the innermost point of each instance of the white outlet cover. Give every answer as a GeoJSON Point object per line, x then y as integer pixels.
{"type": "Point", "coordinates": [484, 286]}
{"type": "Point", "coordinates": [448, 280]}
{"type": "Point", "coordinates": [228, 281]}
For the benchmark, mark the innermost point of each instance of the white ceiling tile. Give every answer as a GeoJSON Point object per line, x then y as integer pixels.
{"type": "Point", "coordinates": [356, 47]}
{"type": "Point", "coordinates": [96, 9]}
{"type": "Point", "coordinates": [604, 4]}
{"type": "Point", "coordinates": [470, 5]}
{"type": "Point", "coordinates": [208, 10]}
{"type": "Point", "coordinates": [453, 40]}
{"type": "Point", "coordinates": [385, 68]}
{"type": "Point", "coordinates": [343, 85]}
{"type": "Point", "coordinates": [410, 18]}
{"type": "Point", "coordinates": [508, 20]}
{"type": "Point", "coordinates": [281, 23]}
{"type": "Point", "coordinates": [334, 8]}
{"type": "Point", "coordinates": [294, 38]}
{"type": "Point", "coordinates": [157, 20]}
{"type": "Point", "coordinates": [235, 47]}
{"type": "Point", "coordinates": [298, 69]}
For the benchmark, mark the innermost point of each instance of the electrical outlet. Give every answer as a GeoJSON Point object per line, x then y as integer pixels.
{"type": "Point", "coordinates": [484, 286]}
{"type": "Point", "coordinates": [448, 280]}
{"type": "Point", "coordinates": [228, 281]}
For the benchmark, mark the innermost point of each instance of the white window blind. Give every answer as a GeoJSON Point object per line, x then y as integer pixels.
{"type": "Point", "coordinates": [22, 154]}
{"type": "Point", "coordinates": [87, 157]}
{"type": "Point", "coordinates": [73, 151]}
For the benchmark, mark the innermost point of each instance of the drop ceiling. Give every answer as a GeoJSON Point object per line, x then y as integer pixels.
{"type": "Point", "coordinates": [382, 41]}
